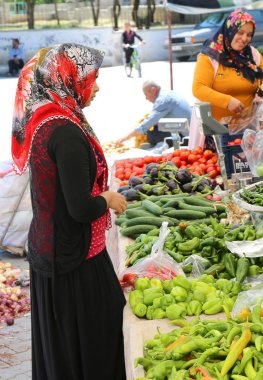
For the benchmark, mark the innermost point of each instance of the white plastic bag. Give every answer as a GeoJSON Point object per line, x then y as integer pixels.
{"type": "Point", "coordinates": [158, 264]}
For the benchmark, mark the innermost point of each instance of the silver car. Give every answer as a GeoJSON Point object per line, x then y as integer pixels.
{"type": "Point", "coordinates": [186, 45]}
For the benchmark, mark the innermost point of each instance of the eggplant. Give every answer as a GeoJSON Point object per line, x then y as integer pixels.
{"type": "Point", "coordinates": [140, 188]}
{"type": "Point", "coordinates": [148, 180]}
{"type": "Point", "coordinates": [184, 176]}
{"type": "Point", "coordinates": [149, 167]}
{"type": "Point", "coordinates": [133, 181]}
{"type": "Point", "coordinates": [187, 187]}
{"type": "Point", "coordinates": [123, 188]}
{"type": "Point", "coordinates": [171, 184]}
{"type": "Point", "coordinates": [131, 195]}
{"type": "Point", "coordinates": [170, 163]}
{"type": "Point", "coordinates": [158, 190]}
{"type": "Point", "coordinates": [154, 172]}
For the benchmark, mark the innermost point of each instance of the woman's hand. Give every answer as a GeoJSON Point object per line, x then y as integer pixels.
{"type": "Point", "coordinates": [235, 105]}
{"type": "Point", "coordinates": [115, 201]}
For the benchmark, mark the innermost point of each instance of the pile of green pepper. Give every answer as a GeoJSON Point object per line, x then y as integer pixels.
{"type": "Point", "coordinates": [254, 197]}
{"type": "Point", "coordinates": [180, 297]}
{"type": "Point", "coordinates": [206, 350]}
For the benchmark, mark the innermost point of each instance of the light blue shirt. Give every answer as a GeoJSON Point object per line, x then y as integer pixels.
{"type": "Point", "coordinates": [16, 51]}
{"type": "Point", "coordinates": [168, 104]}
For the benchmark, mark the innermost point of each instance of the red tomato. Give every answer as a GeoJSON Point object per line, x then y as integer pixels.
{"type": "Point", "coordinates": [124, 183]}
{"type": "Point", "coordinates": [210, 168]}
{"type": "Point", "coordinates": [127, 174]}
{"type": "Point", "coordinates": [231, 143]}
{"type": "Point", "coordinates": [184, 155]}
{"type": "Point", "coordinates": [237, 141]}
{"type": "Point", "coordinates": [191, 158]}
{"type": "Point", "coordinates": [209, 162]}
{"type": "Point", "coordinates": [120, 176]}
{"type": "Point", "coordinates": [183, 163]}
{"type": "Point", "coordinates": [202, 167]}
{"type": "Point", "coordinates": [176, 153]}
{"type": "Point", "coordinates": [128, 165]}
{"type": "Point", "coordinates": [177, 161]}
{"type": "Point", "coordinates": [119, 171]}
{"type": "Point", "coordinates": [202, 160]}
{"type": "Point", "coordinates": [148, 159]}
{"type": "Point", "coordinates": [213, 174]}
{"type": "Point", "coordinates": [208, 153]}
{"type": "Point", "coordinates": [214, 159]}
{"type": "Point", "coordinates": [139, 163]}
{"type": "Point", "coordinates": [198, 150]}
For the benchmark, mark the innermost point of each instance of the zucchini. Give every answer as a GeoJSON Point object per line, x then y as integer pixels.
{"type": "Point", "coordinates": [137, 212]}
{"type": "Point", "coordinates": [197, 201]}
{"type": "Point", "coordinates": [156, 221]}
{"type": "Point", "coordinates": [152, 207]}
{"type": "Point", "coordinates": [186, 214]}
{"type": "Point", "coordinates": [133, 205]}
{"type": "Point", "coordinates": [206, 210]}
{"type": "Point", "coordinates": [136, 230]}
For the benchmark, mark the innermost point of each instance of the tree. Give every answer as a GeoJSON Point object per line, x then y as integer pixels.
{"type": "Point", "coordinates": [95, 11]}
{"type": "Point", "coordinates": [56, 12]}
{"type": "Point", "coordinates": [30, 13]}
{"type": "Point", "coordinates": [116, 13]}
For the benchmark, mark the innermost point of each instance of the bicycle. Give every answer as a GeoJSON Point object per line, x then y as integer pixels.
{"type": "Point", "coordinates": [135, 62]}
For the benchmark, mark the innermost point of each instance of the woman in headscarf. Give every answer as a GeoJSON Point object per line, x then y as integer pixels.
{"type": "Point", "coordinates": [77, 302]}
{"type": "Point", "coordinates": [228, 71]}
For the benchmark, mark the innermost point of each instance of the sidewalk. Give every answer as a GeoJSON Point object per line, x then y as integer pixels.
{"type": "Point", "coordinates": [15, 341]}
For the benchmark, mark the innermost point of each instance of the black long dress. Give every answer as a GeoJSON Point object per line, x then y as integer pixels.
{"type": "Point", "coordinates": [77, 303]}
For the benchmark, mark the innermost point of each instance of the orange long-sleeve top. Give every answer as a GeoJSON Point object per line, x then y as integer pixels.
{"type": "Point", "coordinates": [218, 89]}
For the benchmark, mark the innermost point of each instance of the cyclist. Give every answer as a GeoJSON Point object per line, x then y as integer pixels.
{"type": "Point", "coordinates": [128, 39]}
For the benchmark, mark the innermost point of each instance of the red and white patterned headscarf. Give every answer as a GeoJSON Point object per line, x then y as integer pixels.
{"type": "Point", "coordinates": [56, 83]}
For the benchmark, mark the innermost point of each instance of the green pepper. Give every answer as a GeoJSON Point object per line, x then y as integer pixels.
{"type": "Point", "coordinates": [236, 330]}
{"type": "Point", "coordinates": [192, 232]}
{"type": "Point", "coordinates": [224, 285]}
{"type": "Point", "coordinates": [149, 313]}
{"type": "Point", "coordinates": [215, 269]}
{"type": "Point", "coordinates": [242, 269]}
{"type": "Point", "coordinates": [175, 255]}
{"type": "Point", "coordinates": [142, 283]}
{"type": "Point", "coordinates": [146, 363]}
{"type": "Point", "coordinates": [135, 296]}
{"type": "Point", "coordinates": [139, 310]}
{"type": "Point", "coordinates": [254, 270]}
{"type": "Point", "coordinates": [179, 293]}
{"type": "Point", "coordinates": [249, 233]}
{"type": "Point", "coordinates": [194, 308]}
{"type": "Point", "coordinates": [229, 302]}
{"type": "Point", "coordinates": [207, 251]}
{"type": "Point", "coordinates": [232, 235]}
{"type": "Point", "coordinates": [158, 313]}
{"type": "Point", "coordinates": [169, 244]}
{"type": "Point", "coordinates": [151, 343]}
{"type": "Point", "coordinates": [177, 237]}
{"type": "Point", "coordinates": [189, 245]}
{"type": "Point", "coordinates": [208, 242]}
{"type": "Point", "coordinates": [236, 288]}
{"type": "Point", "coordinates": [207, 278]}
{"type": "Point", "coordinates": [156, 302]}
{"type": "Point", "coordinates": [256, 313]}
{"type": "Point", "coordinates": [214, 306]}
{"type": "Point", "coordinates": [175, 311]}
{"type": "Point", "coordinates": [167, 285]}
{"type": "Point", "coordinates": [180, 280]}
{"type": "Point", "coordinates": [150, 294]}
{"type": "Point", "coordinates": [163, 370]}
{"type": "Point", "coordinates": [156, 283]}
{"type": "Point", "coordinates": [166, 300]}
{"type": "Point", "coordinates": [196, 343]}
{"type": "Point", "coordinates": [230, 263]}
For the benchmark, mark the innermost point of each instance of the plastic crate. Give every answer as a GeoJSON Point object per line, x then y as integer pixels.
{"type": "Point", "coordinates": [235, 160]}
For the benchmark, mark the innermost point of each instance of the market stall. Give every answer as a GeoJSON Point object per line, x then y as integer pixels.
{"type": "Point", "coordinates": [210, 265]}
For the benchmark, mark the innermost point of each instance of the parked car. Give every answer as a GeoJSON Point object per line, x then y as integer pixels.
{"type": "Point", "coordinates": [188, 44]}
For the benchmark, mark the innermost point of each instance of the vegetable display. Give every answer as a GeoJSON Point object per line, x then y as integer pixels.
{"type": "Point", "coordinates": [255, 196]}
{"type": "Point", "coordinates": [179, 297]}
{"type": "Point", "coordinates": [205, 350]}
{"type": "Point", "coordinates": [198, 161]}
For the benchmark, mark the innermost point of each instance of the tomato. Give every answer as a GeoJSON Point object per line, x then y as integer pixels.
{"type": "Point", "coordinates": [124, 183]}
{"type": "Point", "coordinates": [202, 160]}
{"type": "Point", "coordinates": [213, 174]}
{"type": "Point", "coordinates": [210, 168]}
{"type": "Point", "coordinates": [138, 162]}
{"type": "Point", "coordinates": [192, 158]}
{"type": "Point", "coordinates": [148, 159]}
{"type": "Point", "coordinates": [177, 161]}
{"type": "Point", "coordinates": [237, 141]}
{"type": "Point", "coordinates": [120, 176]}
{"type": "Point", "coordinates": [128, 165]}
{"type": "Point", "coordinates": [231, 143]}
{"type": "Point", "coordinates": [119, 171]}
{"type": "Point", "coordinates": [127, 174]}
{"type": "Point", "coordinates": [209, 162]}
{"type": "Point", "coordinates": [214, 159]}
{"type": "Point", "coordinates": [198, 150]}
{"type": "Point", "coordinates": [184, 155]}
{"type": "Point", "coordinates": [208, 153]}
{"type": "Point", "coordinates": [183, 163]}
{"type": "Point", "coordinates": [176, 153]}
{"type": "Point", "coordinates": [202, 167]}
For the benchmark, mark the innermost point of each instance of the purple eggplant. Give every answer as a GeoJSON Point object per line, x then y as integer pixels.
{"type": "Point", "coordinates": [149, 167]}
{"type": "Point", "coordinates": [171, 184]}
{"type": "Point", "coordinates": [187, 187]}
{"type": "Point", "coordinates": [131, 195]}
{"type": "Point", "coordinates": [123, 188]}
{"type": "Point", "coordinates": [154, 172]}
{"type": "Point", "coordinates": [134, 181]}
{"type": "Point", "coordinates": [184, 176]}
{"type": "Point", "coordinates": [148, 180]}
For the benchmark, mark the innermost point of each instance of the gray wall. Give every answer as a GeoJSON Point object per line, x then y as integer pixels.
{"type": "Point", "coordinates": [101, 38]}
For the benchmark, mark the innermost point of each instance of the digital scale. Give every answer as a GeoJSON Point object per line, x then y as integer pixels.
{"type": "Point", "coordinates": [174, 126]}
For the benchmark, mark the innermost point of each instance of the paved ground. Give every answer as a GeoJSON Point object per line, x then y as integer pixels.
{"type": "Point", "coordinates": [116, 110]}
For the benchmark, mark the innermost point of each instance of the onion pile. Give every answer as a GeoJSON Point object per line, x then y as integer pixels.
{"type": "Point", "coordinates": [13, 300]}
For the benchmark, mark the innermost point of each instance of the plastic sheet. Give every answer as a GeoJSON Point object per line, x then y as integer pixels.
{"type": "Point", "coordinates": [246, 248]}
{"type": "Point", "coordinates": [199, 265]}
{"type": "Point", "coordinates": [248, 299]}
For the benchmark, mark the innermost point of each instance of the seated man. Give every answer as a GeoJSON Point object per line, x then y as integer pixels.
{"type": "Point", "coordinates": [168, 104]}
{"type": "Point", "coordinates": [16, 57]}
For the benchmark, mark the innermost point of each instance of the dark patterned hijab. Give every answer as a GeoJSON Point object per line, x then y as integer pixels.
{"type": "Point", "coordinates": [219, 47]}
{"type": "Point", "coordinates": [55, 83]}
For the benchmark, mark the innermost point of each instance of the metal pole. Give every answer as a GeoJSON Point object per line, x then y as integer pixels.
{"type": "Point", "coordinates": [169, 22]}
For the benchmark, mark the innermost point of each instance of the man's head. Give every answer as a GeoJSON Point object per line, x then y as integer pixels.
{"type": "Point", "coordinates": [127, 26]}
{"type": "Point", "coordinates": [15, 42]}
{"type": "Point", "coordinates": [151, 90]}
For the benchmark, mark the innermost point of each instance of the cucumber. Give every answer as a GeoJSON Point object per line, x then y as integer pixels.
{"type": "Point", "coordinates": [197, 201]}
{"type": "Point", "coordinates": [206, 221]}
{"type": "Point", "coordinates": [137, 212]}
{"type": "Point", "coordinates": [166, 209]}
{"type": "Point", "coordinates": [134, 205]}
{"type": "Point", "coordinates": [156, 221]}
{"type": "Point", "coordinates": [186, 214]}
{"type": "Point", "coordinates": [220, 207]}
{"type": "Point", "coordinates": [152, 207]}
{"type": "Point", "coordinates": [206, 210]}
{"type": "Point", "coordinates": [119, 221]}
{"type": "Point", "coordinates": [173, 203]}
{"type": "Point", "coordinates": [136, 230]}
